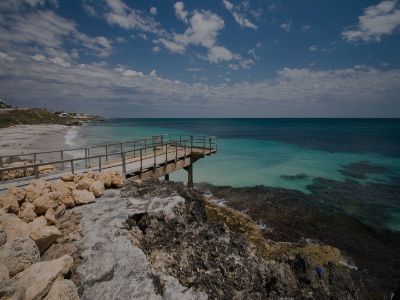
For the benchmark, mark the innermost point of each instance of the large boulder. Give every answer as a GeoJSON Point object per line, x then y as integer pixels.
{"type": "Point", "coordinates": [104, 177]}
{"type": "Point", "coordinates": [18, 193]}
{"type": "Point", "coordinates": [39, 277]}
{"type": "Point", "coordinates": [13, 226]}
{"type": "Point", "coordinates": [61, 186]}
{"type": "Point", "coordinates": [18, 254]}
{"type": "Point", "coordinates": [36, 189]}
{"type": "Point", "coordinates": [44, 236]}
{"type": "Point", "coordinates": [117, 180]}
{"type": "Point", "coordinates": [68, 177]}
{"type": "Point", "coordinates": [97, 188]}
{"type": "Point", "coordinates": [85, 183]}
{"type": "Point", "coordinates": [27, 212]}
{"type": "Point", "coordinates": [3, 236]}
{"type": "Point", "coordinates": [50, 216]}
{"type": "Point", "coordinates": [49, 200]}
{"type": "Point", "coordinates": [83, 197]}
{"type": "Point", "coordinates": [9, 203]}
{"type": "Point", "coordinates": [63, 289]}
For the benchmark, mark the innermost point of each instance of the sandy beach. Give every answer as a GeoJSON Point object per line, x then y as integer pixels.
{"type": "Point", "coordinates": [33, 138]}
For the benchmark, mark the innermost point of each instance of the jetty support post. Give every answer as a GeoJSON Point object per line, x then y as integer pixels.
{"type": "Point", "coordinates": [1, 166]}
{"type": "Point", "coordinates": [189, 170]}
{"type": "Point", "coordinates": [166, 177]}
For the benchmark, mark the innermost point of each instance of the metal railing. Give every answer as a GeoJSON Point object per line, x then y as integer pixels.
{"type": "Point", "coordinates": [115, 153]}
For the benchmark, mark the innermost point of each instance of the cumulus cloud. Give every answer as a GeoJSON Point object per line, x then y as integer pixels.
{"type": "Point", "coordinates": [153, 10]}
{"type": "Point", "coordinates": [114, 90]}
{"type": "Point", "coordinates": [377, 21]}
{"type": "Point", "coordinates": [286, 26]}
{"type": "Point", "coordinates": [238, 13]}
{"type": "Point", "coordinates": [7, 58]}
{"type": "Point", "coordinates": [217, 54]}
{"type": "Point", "coordinates": [180, 11]}
{"type": "Point", "coordinates": [313, 48]}
{"type": "Point", "coordinates": [47, 29]}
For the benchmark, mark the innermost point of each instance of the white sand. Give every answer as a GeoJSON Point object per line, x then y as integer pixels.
{"type": "Point", "coordinates": [32, 138]}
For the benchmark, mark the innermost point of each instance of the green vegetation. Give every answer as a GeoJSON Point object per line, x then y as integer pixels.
{"type": "Point", "coordinates": [240, 223]}
{"type": "Point", "coordinates": [31, 117]}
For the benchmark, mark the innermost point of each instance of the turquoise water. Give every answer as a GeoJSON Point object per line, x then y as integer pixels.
{"type": "Point", "coordinates": [260, 151]}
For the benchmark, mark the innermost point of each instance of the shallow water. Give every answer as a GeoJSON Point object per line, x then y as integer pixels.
{"type": "Point", "coordinates": [356, 156]}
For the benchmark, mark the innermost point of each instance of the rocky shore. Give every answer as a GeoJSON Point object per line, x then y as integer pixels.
{"type": "Point", "coordinates": [86, 238]}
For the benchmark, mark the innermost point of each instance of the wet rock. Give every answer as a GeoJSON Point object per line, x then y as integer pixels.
{"type": "Point", "coordinates": [295, 177]}
{"type": "Point", "coordinates": [38, 278]}
{"type": "Point", "coordinates": [27, 212]}
{"type": "Point", "coordinates": [62, 289]}
{"type": "Point", "coordinates": [83, 197]}
{"type": "Point", "coordinates": [18, 254]}
{"type": "Point", "coordinates": [97, 188]}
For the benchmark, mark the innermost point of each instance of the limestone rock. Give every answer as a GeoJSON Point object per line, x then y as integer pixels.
{"type": "Point", "coordinates": [4, 273]}
{"type": "Point", "coordinates": [97, 188]}
{"type": "Point", "coordinates": [104, 177]}
{"type": "Point", "coordinates": [9, 203]}
{"type": "Point", "coordinates": [27, 212]}
{"type": "Point", "coordinates": [85, 183]}
{"type": "Point", "coordinates": [61, 186]}
{"type": "Point", "coordinates": [44, 236]}
{"type": "Point", "coordinates": [46, 169]}
{"type": "Point", "coordinates": [18, 254]}
{"type": "Point", "coordinates": [83, 197]}
{"type": "Point", "coordinates": [49, 200]}
{"type": "Point", "coordinates": [36, 189]}
{"type": "Point", "coordinates": [50, 216]}
{"type": "Point", "coordinates": [117, 180]}
{"type": "Point", "coordinates": [18, 193]}
{"type": "Point", "coordinates": [38, 222]}
{"type": "Point", "coordinates": [13, 226]}
{"type": "Point", "coordinates": [3, 236]}
{"type": "Point", "coordinates": [38, 278]}
{"type": "Point", "coordinates": [60, 210]}
{"type": "Point", "coordinates": [68, 177]}
{"type": "Point", "coordinates": [63, 289]}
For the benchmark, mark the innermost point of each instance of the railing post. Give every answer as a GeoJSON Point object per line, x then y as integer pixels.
{"type": "Point", "coordinates": [88, 153]}
{"type": "Point", "coordinates": [120, 145]}
{"type": "Point", "coordinates": [99, 163]}
{"type": "Point", "coordinates": [191, 144]}
{"type": "Point", "coordinates": [86, 160]}
{"type": "Point", "coordinates": [123, 164]}
{"type": "Point", "coordinates": [176, 153]}
{"type": "Point", "coordinates": [141, 163]}
{"type": "Point", "coordinates": [62, 159]}
{"type": "Point", "coordinates": [106, 153]}
{"type": "Point", "coordinates": [36, 172]}
{"type": "Point", "coordinates": [72, 167]}
{"type": "Point", "coordinates": [134, 148]}
{"type": "Point", "coordinates": [155, 162]}
{"type": "Point", "coordinates": [145, 146]}
{"type": "Point", "coordinates": [166, 157]}
{"type": "Point", "coordinates": [34, 158]}
{"type": "Point", "coordinates": [184, 147]}
{"type": "Point", "coordinates": [1, 166]}
{"type": "Point", "coordinates": [204, 145]}
{"type": "Point", "coordinates": [210, 144]}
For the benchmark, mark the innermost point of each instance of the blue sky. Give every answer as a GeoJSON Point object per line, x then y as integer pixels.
{"type": "Point", "coordinates": [159, 58]}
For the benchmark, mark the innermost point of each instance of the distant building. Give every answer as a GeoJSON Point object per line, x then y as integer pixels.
{"type": "Point", "coordinates": [63, 115]}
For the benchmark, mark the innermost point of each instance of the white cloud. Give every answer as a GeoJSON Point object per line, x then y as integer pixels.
{"type": "Point", "coordinates": [153, 10]}
{"type": "Point", "coordinates": [238, 14]}
{"type": "Point", "coordinates": [39, 57]}
{"type": "Point", "coordinates": [153, 73]}
{"type": "Point", "coordinates": [180, 11]}
{"type": "Point", "coordinates": [47, 29]}
{"type": "Point", "coordinates": [60, 61]}
{"type": "Point", "coordinates": [217, 54]}
{"type": "Point", "coordinates": [313, 48]}
{"type": "Point", "coordinates": [287, 26]}
{"type": "Point", "coordinates": [16, 5]}
{"type": "Point", "coordinates": [170, 45]}
{"type": "Point", "coordinates": [377, 21]}
{"type": "Point", "coordinates": [7, 58]}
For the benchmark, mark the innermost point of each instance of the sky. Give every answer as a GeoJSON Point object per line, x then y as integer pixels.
{"type": "Point", "coordinates": [209, 58]}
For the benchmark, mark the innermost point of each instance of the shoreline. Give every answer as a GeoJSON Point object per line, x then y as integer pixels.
{"type": "Point", "coordinates": [25, 139]}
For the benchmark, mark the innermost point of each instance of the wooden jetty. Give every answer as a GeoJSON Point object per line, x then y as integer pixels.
{"type": "Point", "coordinates": [138, 159]}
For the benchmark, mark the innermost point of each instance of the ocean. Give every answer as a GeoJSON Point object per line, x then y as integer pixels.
{"type": "Point", "coordinates": [350, 165]}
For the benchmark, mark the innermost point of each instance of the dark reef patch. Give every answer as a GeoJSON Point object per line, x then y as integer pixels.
{"type": "Point", "coordinates": [361, 170]}
{"type": "Point", "coordinates": [347, 215]}
{"type": "Point", "coordinates": [295, 177]}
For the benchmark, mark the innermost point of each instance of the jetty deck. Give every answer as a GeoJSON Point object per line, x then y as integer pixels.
{"type": "Point", "coordinates": [138, 159]}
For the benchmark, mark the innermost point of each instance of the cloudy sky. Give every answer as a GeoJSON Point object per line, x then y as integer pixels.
{"type": "Point", "coordinates": [209, 58]}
